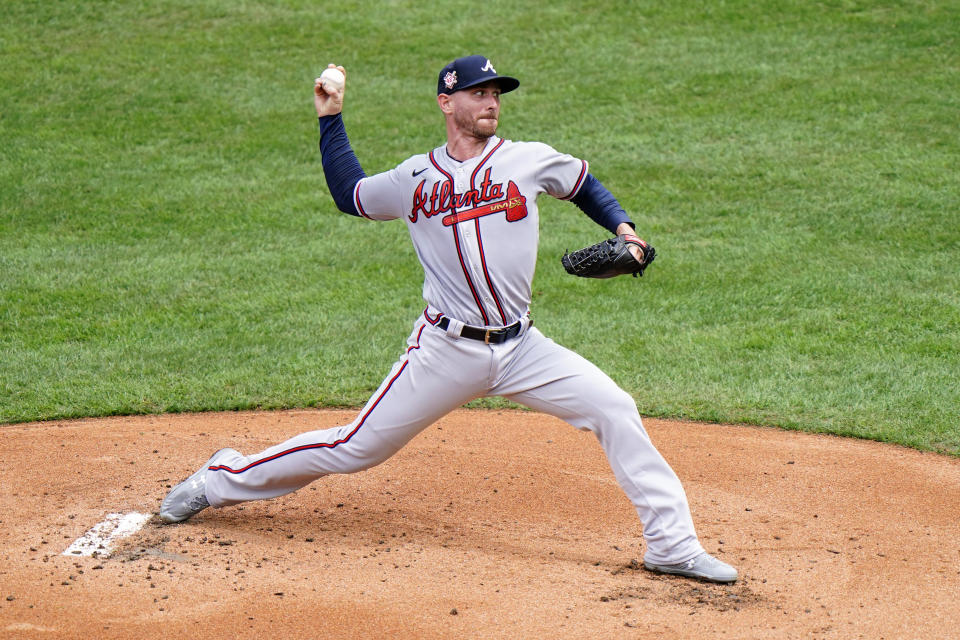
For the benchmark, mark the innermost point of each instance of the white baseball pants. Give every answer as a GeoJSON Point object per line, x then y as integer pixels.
{"type": "Point", "coordinates": [441, 371]}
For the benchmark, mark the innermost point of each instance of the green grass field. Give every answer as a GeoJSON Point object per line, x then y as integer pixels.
{"type": "Point", "coordinates": [167, 242]}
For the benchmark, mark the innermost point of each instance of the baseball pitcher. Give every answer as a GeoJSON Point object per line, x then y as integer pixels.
{"type": "Point", "coordinates": [471, 207]}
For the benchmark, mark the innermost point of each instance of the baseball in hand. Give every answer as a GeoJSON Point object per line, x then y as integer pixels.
{"type": "Point", "coordinates": [332, 78]}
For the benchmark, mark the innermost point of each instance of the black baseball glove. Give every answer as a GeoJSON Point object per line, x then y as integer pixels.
{"type": "Point", "coordinates": [609, 258]}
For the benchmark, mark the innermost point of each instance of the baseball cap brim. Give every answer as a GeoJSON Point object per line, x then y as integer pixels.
{"type": "Point", "coordinates": [506, 83]}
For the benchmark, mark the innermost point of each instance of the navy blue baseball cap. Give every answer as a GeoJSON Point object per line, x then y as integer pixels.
{"type": "Point", "coordinates": [470, 71]}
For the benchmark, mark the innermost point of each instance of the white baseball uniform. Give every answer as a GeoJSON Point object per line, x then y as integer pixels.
{"type": "Point", "coordinates": [475, 227]}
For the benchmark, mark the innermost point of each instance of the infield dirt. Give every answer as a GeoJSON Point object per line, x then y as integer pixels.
{"type": "Point", "coordinates": [490, 524]}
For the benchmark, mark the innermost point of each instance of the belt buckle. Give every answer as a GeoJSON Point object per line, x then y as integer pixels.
{"type": "Point", "coordinates": [486, 337]}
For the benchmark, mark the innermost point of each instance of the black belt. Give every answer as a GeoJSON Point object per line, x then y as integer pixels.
{"type": "Point", "coordinates": [488, 336]}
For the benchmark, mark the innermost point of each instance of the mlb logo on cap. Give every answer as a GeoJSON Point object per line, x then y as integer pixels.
{"type": "Point", "coordinates": [470, 71]}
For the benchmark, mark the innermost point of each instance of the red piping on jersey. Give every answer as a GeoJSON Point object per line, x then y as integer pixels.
{"type": "Point", "coordinates": [476, 298]}
{"type": "Point", "coordinates": [356, 201]}
{"type": "Point", "coordinates": [431, 320]}
{"type": "Point", "coordinates": [456, 240]}
{"type": "Point", "coordinates": [483, 258]}
{"type": "Point", "coordinates": [576, 187]}
{"type": "Point", "coordinates": [327, 445]}
{"type": "Point", "coordinates": [486, 274]}
{"type": "Point", "coordinates": [482, 162]}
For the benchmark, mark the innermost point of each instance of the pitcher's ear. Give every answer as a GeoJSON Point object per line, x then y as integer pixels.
{"type": "Point", "coordinates": [444, 101]}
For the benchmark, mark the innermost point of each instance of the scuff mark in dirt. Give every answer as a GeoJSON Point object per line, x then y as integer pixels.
{"type": "Point", "coordinates": [682, 591]}
{"type": "Point", "coordinates": [149, 542]}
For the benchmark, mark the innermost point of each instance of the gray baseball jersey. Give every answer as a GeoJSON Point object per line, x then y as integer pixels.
{"type": "Point", "coordinates": [474, 224]}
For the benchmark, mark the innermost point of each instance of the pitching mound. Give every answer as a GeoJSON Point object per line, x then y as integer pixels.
{"type": "Point", "coordinates": [489, 524]}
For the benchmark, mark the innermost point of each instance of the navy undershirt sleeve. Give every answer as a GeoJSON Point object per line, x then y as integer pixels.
{"type": "Point", "coordinates": [340, 165]}
{"type": "Point", "coordinates": [596, 201]}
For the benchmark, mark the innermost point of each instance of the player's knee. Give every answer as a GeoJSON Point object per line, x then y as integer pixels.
{"type": "Point", "coordinates": [614, 400]}
{"type": "Point", "coordinates": [606, 406]}
{"type": "Point", "coordinates": [614, 407]}
{"type": "Point", "coordinates": [366, 457]}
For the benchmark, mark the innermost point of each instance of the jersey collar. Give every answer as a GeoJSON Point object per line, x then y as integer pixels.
{"type": "Point", "coordinates": [441, 155]}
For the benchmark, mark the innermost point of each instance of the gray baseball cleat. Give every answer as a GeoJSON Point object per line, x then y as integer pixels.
{"type": "Point", "coordinates": [189, 498]}
{"type": "Point", "coordinates": [703, 567]}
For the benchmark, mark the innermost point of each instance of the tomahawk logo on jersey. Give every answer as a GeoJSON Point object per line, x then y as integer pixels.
{"type": "Point", "coordinates": [515, 204]}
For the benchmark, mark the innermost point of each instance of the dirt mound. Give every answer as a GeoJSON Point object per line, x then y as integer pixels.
{"type": "Point", "coordinates": [489, 524]}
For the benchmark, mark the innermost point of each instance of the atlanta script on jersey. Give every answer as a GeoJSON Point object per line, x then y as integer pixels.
{"type": "Point", "coordinates": [474, 224]}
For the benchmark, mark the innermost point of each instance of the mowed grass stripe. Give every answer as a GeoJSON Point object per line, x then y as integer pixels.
{"type": "Point", "coordinates": [167, 242]}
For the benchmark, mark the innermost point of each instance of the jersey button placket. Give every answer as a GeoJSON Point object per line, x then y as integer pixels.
{"type": "Point", "coordinates": [460, 186]}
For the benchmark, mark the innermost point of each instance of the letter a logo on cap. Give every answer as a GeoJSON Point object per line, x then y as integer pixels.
{"type": "Point", "coordinates": [488, 67]}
